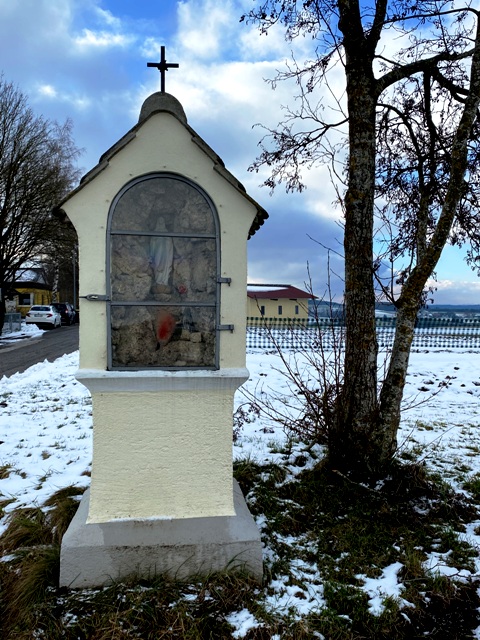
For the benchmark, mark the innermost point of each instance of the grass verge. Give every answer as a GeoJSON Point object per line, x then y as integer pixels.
{"type": "Point", "coordinates": [330, 545]}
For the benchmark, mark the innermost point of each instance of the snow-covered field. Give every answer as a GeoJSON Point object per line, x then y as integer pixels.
{"type": "Point", "coordinates": [46, 438]}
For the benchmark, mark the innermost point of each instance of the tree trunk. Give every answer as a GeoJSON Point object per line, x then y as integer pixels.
{"type": "Point", "coordinates": [363, 438]}
{"type": "Point", "coordinates": [427, 259]}
{"type": "Point", "coordinates": [356, 444]}
{"type": "Point", "coordinates": [2, 310]}
{"type": "Point", "coordinates": [393, 386]}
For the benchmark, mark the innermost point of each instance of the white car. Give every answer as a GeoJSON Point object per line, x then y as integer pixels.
{"type": "Point", "coordinates": [44, 315]}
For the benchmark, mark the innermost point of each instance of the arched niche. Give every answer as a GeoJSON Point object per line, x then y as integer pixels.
{"type": "Point", "coordinates": [162, 275]}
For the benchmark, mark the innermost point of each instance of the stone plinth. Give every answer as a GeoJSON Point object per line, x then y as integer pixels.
{"type": "Point", "coordinates": [96, 554]}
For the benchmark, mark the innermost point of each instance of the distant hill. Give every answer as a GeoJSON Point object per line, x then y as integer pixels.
{"type": "Point", "coordinates": [454, 308]}
{"type": "Point", "coordinates": [442, 309]}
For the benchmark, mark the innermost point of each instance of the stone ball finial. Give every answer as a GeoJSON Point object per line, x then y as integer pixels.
{"type": "Point", "coordinates": [160, 101]}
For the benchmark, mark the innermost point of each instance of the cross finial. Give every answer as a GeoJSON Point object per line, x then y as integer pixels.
{"type": "Point", "coordinates": [163, 66]}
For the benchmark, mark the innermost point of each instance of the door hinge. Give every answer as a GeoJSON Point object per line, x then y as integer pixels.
{"type": "Point", "coordinates": [96, 297]}
{"type": "Point", "coordinates": [224, 281]}
{"type": "Point", "coordinates": [225, 327]}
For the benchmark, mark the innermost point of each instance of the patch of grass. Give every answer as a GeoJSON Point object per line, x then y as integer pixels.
{"type": "Point", "coordinates": [347, 529]}
{"type": "Point", "coordinates": [26, 528]}
{"type": "Point", "coordinates": [38, 527]}
{"type": "Point", "coordinates": [63, 505]}
{"type": "Point", "coordinates": [473, 486]}
{"type": "Point", "coordinates": [29, 576]}
{"type": "Point", "coordinates": [5, 471]}
{"type": "Point", "coordinates": [323, 535]}
{"type": "Point", "coordinates": [457, 551]}
{"type": "Point", "coordinates": [158, 608]}
{"type": "Point", "coordinates": [249, 473]}
{"type": "Point", "coordinates": [4, 502]}
{"type": "Point", "coordinates": [27, 579]}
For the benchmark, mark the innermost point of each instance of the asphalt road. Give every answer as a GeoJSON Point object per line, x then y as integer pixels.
{"type": "Point", "coordinates": [18, 356]}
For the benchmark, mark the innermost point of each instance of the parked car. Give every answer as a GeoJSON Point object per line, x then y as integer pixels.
{"type": "Point", "coordinates": [67, 312]}
{"type": "Point", "coordinates": [44, 315]}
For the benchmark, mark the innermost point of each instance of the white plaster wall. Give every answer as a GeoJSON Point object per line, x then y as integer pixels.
{"type": "Point", "coordinates": [164, 455]}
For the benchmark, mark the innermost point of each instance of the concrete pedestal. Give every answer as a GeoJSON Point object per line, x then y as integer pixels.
{"type": "Point", "coordinates": [95, 554]}
{"type": "Point", "coordinates": [162, 443]}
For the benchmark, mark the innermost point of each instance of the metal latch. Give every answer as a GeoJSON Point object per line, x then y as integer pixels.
{"type": "Point", "coordinates": [96, 297]}
{"type": "Point", "coordinates": [225, 327]}
{"type": "Point", "coordinates": [224, 281]}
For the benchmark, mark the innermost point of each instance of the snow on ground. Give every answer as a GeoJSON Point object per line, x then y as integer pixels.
{"type": "Point", "coordinates": [27, 331]}
{"type": "Point", "coordinates": [45, 432]}
{"type": "Point", "coordinates": [46, 442]}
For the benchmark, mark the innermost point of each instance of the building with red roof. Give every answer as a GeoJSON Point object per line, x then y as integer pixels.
{"type": "Point", "coordinates": [277, 301]}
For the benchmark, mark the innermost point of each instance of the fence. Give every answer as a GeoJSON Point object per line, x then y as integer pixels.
{"type": "Point", "coordinates": [13, 322]}
{"type": "Point", "coordinates": [293, 333]}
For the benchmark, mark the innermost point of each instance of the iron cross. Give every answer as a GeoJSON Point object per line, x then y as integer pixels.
{"type": "Point", "coordinates": [163, 66]}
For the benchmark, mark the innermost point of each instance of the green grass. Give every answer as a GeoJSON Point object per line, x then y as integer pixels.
{"type": "Point", "coordinates": [473, 486]}
{"type": "Point", "coordinates": [5, 471]}
{"type": "Point", "coordinates": [323, 534]}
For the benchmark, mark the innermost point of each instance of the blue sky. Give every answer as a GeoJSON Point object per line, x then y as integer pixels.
{"type": "Point", "coordinates": [87, 60]}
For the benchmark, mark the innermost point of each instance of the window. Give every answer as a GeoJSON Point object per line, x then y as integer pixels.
{"type": "Point", "coordinates": [262, 310]}
{"type": "Point", "coordinates": [279, 309]}
{"type": "Point", "coordinates": [297, 311]}
{"type": "Point", "coordinates": [163, 290]}
{"type": "Point", "coordinates": [25, 299]}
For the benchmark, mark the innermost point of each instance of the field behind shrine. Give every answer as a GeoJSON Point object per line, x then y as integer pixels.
{"type": "Point", "coordinates": [342, 560]}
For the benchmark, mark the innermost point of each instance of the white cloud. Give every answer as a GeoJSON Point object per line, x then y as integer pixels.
{"type": "Point", "coordinates": [102, 39]}
{"type": "Point", "coordinates": [455, 291]}
{"type": "Point", "coordinates": [31, 27]}
{"type": "Point", "coordinates": [254, 46]}
{"type": "Point", "coordinates": [205, 27]}
{"type": "Point", "coordinates": [320, 199]}
{"type": "Point", "coordinates": [47, 90]}
{"type": "Point", "coordinates": [80, 102]}
{"type": "Point", "coordinates": [225, 87]}
{"type": "Point", "coordinates": [108, 18]}
{"type": "Point", "coordinates": [150, 48]}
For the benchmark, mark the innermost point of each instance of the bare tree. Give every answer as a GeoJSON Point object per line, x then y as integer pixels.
{"type": "Point", "coordinates": [37, 168]}
{"type": "Point", "coordinates": [59, 258]}
{"type": "Point", "coordinates": [412, 84]}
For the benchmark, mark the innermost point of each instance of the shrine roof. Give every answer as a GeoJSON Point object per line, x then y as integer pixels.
{"type": "Point", "coordinates": [164, 102]}
{"type": "Point", "coordinates": [277, 291]}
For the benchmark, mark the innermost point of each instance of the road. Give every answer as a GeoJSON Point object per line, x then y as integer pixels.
{"type": "Point", "coordinates": [19, 355]}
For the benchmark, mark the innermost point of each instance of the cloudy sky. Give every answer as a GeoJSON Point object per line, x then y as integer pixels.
{"type": "Point", "coordinates": [87, 60]}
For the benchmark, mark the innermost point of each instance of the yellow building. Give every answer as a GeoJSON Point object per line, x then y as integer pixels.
{"type": "Point", "coordinates": [277, 301]}
{"type": "Point", "coordinates": [28, 289]}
